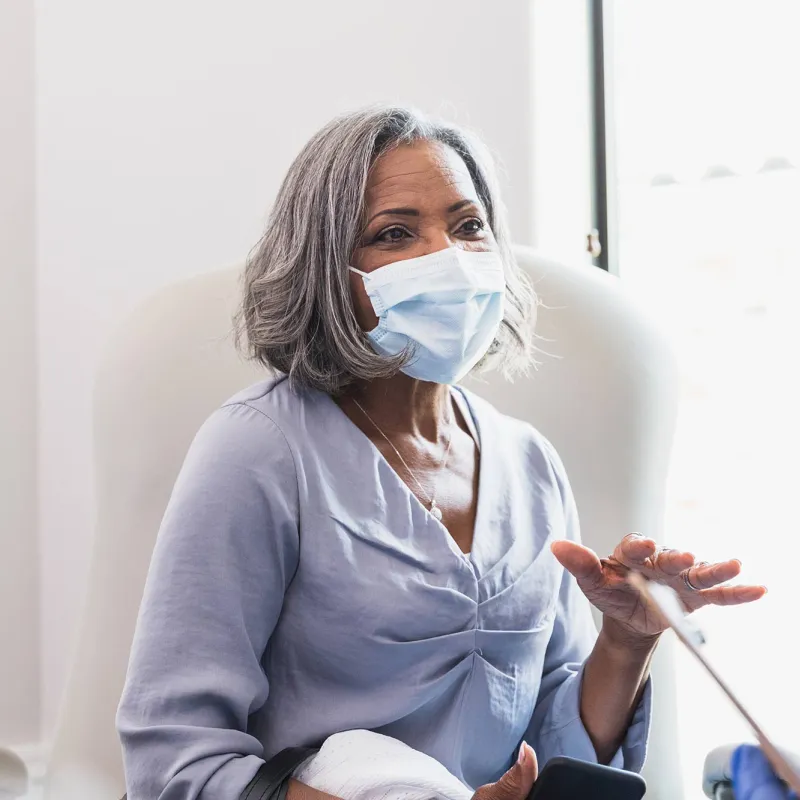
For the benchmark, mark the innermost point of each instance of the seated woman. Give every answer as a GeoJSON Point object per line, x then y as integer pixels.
{"type": "Point", "coordinates": [359, 543]}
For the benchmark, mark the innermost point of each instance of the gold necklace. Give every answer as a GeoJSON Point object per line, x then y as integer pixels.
{"type": "Point", "coordinates": [435, 511]}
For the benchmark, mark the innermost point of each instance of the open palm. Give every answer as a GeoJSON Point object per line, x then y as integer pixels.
{"type": "Point", "coordinates": [604, 581]}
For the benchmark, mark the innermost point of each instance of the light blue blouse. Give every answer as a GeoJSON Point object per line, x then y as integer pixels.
{"type": "Point", "coordinates": [298, 588]}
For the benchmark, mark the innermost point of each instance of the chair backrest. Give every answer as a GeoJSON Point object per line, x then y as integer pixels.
{"type": "Point", "coordinates": [605, 395]}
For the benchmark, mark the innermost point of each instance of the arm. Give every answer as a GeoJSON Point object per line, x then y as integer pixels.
{"type": "Point", "coordinates": [614, 678]}
{"type": "Point", "coordinates": [226, 551]}
{"type": "Point", "coordinates": [593, 703]}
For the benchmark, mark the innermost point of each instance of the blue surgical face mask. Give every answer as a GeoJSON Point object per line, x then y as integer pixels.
{"type": "Point", "coordinates": [446, 306]}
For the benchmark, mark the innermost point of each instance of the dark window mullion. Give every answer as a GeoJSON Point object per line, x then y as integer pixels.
{"type": "Point", "coordinates": [603, 166]}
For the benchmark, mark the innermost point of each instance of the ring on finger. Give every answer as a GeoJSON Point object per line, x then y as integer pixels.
{"type": "Point", "coordinates": [689, 585]}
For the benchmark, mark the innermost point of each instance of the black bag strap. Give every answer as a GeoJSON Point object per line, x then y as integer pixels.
{"type": "Point", "coordinates": [270, 782]}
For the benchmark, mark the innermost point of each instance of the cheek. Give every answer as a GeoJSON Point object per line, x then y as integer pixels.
{"type": "Point", "coordinates": [365, 315]}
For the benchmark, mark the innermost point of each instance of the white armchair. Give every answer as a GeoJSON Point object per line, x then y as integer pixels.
{"type": "Point", "coordinates": [605, 396]}
{"type": "Point", "coordinates": [13, 775]}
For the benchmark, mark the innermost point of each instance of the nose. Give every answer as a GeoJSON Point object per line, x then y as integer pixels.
{"type": "Point", "coordinates": [439, 240]}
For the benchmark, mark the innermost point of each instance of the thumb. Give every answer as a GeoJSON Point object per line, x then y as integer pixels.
{"type": "Point", "coordinates": [582, 562]}
{"type": "Point", "coordinates": [517, 783]}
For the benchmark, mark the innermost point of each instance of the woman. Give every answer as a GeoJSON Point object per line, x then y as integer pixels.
{"type": "Point", "coordinates": [357, 543]}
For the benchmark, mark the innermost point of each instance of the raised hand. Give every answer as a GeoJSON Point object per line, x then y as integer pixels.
{"type": "Point", "coordinates": [604, 580]}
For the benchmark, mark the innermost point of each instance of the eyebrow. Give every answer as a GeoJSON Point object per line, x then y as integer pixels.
{"type": "Point", "coordinates": [412, 212]}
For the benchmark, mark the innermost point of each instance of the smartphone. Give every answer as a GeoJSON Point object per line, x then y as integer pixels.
{"type": "Point", "coordinates": [564, 778]}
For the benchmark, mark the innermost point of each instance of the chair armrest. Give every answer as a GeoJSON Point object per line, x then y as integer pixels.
{"type": "Point", "coordinates": [13, 775]}
{"type": "Point", "coordinates": [717, 772]}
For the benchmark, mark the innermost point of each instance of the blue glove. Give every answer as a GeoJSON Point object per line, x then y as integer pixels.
{"type": "Point", "coordinates": [753, 778]}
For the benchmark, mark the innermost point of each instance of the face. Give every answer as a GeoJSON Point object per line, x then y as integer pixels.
{"type": "Point", "coordinates": [420, 199]}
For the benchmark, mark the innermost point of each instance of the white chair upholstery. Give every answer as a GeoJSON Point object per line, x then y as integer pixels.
{"type": "Point", "coordinates": [13, 775]}
{"type": "Point", "coordinates": [606, 397]}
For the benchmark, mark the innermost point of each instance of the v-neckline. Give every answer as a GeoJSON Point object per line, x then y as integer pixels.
{"type": "Point", "coordinates": [480, 443]}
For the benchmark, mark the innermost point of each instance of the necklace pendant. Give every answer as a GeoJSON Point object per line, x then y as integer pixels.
{"type": "Point", "coordinates": [436, 512]}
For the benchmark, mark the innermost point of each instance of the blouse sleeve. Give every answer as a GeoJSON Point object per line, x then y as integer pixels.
{"type": "Point", "coordinates": [556, 728]}
{"type": "Point", "coordinates": [225, 554]}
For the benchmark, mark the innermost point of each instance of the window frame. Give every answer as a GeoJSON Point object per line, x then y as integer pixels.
{"type": "Point", "coordinates": [604, 200]}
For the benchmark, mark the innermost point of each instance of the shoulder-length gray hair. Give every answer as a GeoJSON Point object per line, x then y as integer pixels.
{"type": "Point", "coordinates": [297, 312]}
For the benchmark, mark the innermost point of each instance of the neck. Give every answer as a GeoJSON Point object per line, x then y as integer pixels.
{"type": "Point", "coordinates": [405, 406]}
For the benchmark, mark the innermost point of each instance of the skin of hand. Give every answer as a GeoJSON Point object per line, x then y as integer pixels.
{"type": "Point", "coordinates": [617, 669]}
{"type": "Point", "coordinates": [517, 782]}
{"type": "Point", "coordinates": [302, 791]}
{"type": "Point", "coordinates": [626, 618]}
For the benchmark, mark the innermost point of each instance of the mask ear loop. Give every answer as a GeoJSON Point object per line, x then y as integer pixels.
{"type": "Point", "coordinates": [358, 272]}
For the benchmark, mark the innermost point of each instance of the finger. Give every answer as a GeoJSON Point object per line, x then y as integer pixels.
{"type": "Point", "coordinates": [580, 561]}
{"type": "Point", "coordinates": [732, 595]}
{"type": "Point", "coordinates": [634, 550]}
{"type": "Point", "coordinates": [516, 784]}
{"type": "Point", "coordinates": [639, 553]}
{"type": "Point", "coordinates": [673, 562]}
{"type": "Point", "coordinates": [530, 765]}
{"type": "Point", "coordinates": [706, 576]}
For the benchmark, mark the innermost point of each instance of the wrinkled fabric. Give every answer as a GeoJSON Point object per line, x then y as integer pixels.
{"type": "Point", "coordinates": [299, 589]}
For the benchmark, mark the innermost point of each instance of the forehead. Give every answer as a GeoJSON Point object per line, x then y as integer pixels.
{"type": "Point", "coordinates": [415, 173]}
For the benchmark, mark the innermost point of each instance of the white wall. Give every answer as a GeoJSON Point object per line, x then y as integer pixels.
{"type": "Point", "coordinates": [19, 590]}
{"type": "Point", "coordinates": [165, 127]}
{"type": "Point", "coordinates": [562, 133]}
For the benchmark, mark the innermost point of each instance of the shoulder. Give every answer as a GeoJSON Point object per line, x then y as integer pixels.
{"type": "Point", "coordinates": [279, 405]}
{"type": "Point", "coordinates": [248, 431]}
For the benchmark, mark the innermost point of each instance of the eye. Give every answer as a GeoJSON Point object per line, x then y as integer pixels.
{"type": "Point", "coordinates": [471, 226]}
{"type": "Point", "coordinates": [393, 234]}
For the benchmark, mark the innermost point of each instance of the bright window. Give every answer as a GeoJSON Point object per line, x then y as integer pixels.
{"type": "Point", "coordinates": [707, 131]}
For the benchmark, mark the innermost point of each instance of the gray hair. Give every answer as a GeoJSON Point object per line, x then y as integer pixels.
{"type": "Point", "coordinates": [297, 313]}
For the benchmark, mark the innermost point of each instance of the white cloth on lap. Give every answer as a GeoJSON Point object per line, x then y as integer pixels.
{"type": "Point", "coordinates": [362, 765]}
